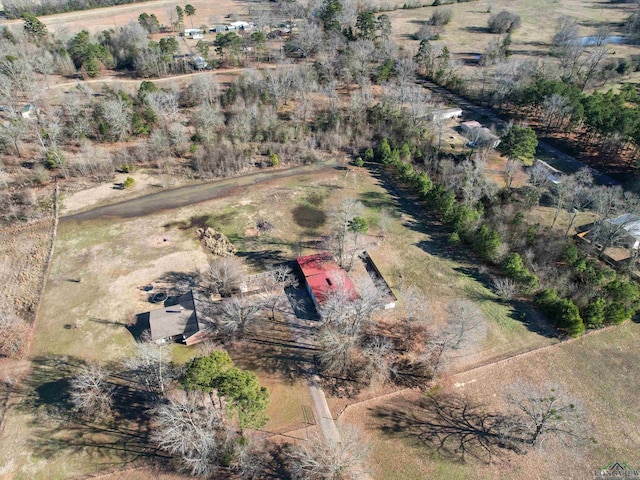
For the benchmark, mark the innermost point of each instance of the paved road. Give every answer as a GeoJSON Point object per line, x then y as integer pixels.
{"type": "Point", "coordinates": [192, 194]}
{"type": "Point", "coordinates": [465, 104]}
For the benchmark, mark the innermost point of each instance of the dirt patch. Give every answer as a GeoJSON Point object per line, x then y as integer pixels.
{"type": "Point", "coordinates": [108, 192]}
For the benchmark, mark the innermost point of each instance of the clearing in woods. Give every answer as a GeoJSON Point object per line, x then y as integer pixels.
{"type": "Point", "coordinates": [113, 258]}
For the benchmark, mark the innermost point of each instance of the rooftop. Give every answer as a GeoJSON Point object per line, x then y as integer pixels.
{"type": "Point", "coordinates": [629, 222]}
{"type": "Point", "coordinates": [177, 317]}
{"type": "Point", "coordinates": [324, 275]}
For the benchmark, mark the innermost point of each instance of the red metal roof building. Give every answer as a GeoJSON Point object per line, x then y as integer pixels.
{"type": "Point", "coordinates": [323, 276]}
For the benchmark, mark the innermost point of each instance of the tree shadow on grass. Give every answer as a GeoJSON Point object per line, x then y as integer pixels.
{"type": "Point", "coordinates": [119, 439]}
{"type": "Point", "coordinates": [450, 425]}
{"type": "Point", "coordinates": [438, 246]}
{"type": "Point", "coordinates": [273, 353]}
{"type": "Point", "coordinates": [376, 200]}
{"type": "Point", "coordinates": [308, 216]}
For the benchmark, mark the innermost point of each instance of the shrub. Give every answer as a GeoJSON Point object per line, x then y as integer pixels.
{"type": "Point", "coordinates": [593, 314]}
{"type": "Point", "coordinates": [54, 158]}
{"type": "Point", "coordinates": [616, 313]}
{"type": "Point", "coordinates": [383, 152]}
{"type": "Point", "coordinates": [504, 22]}
{"type": "Point", "coordinates": [273, 159]}
{"type": "Point", "coordinates": [571, 254]}
{"type": "Point", "coordinates": [442, 16]}
{"type": "Point", "coordinates": [128, 182]}
{"type": "Point", "coordinates": [359, 162]}
{"type": "Point", "coordinates": [514, 268]}
{"type": "Point", "coordinates": [562, 312]}
{"type": "Point", "coordinates": [504, 287]}
{"type": "Point", "coordinates": [487, 242]}
{"type": "Point", "coordinates": [453, 239]}
{"type": "Point", "coordinates": [369, 155]}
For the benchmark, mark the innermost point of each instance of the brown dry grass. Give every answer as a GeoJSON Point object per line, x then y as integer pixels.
{"type": "Point", "coordinates": [99, 19]}
{"type": "Point", "coordinates": [597, 370]}
{"type": "Point", "coordinates": [114, 257]}
{"type": "Point", "coordinates": [23, 255]}
{"type": "Point", "coordinates": [467, 34]}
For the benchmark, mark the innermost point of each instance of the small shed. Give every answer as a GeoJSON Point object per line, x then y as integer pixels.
{"type": "Point", "coordinates": [445, 114]}
{"type": "Point", "coordinates": [240, 25]}
{"type": "Point", "coordinates": [194, 33]}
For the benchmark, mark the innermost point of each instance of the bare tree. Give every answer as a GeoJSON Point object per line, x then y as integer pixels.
{"type": "Point", "coordinates": [545, 411]}
{"type": "Point", "coordinates": [150, 368]}
{"type": "Point", "coordinates": [556, 109]}
{"type": "Point", "coordinates": [273, 286]}
{"type": "Point", "coordinates": [237, 313]}
{"type": "Point", "coordinates": [512, 169]}
{"type": "Point", "coordinates": [321, 458]}
{"type": "Point", "coordinates": [225, 275]}
{"type": "Point", "coordinates": [340, 235]}
{"type": "Point", "coordinates": [206, 119]}
{"type": "Point", "coordinates": [14, 131]}
{"type": "Point", "coordinates": [377, 354]}
{"type": "Point", "coordinates": [116, 113]}
{"type": "Point", "coordinates": [339, 349]}
{"type": "Point", "coordinates": [164, 104]}
{"type": "Point", "coordinates": [194, 433]}
{"type": "Point", "coordinates": [91, 392]}
{"type": "Point", "coordinates": [14, 333]}
{"type": "Point", "coordinates": [581, 196]}
{"type": "Point", "coordinates": [464, 317]}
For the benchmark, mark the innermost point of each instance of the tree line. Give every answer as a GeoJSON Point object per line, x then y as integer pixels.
{"type": "Point", "coordinates": [578, 291]}
{"type": "Point", "coordinates": [17, 8]}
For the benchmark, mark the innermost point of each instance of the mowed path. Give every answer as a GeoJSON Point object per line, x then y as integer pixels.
{"type": "Point", "coordinates": [192, 194]}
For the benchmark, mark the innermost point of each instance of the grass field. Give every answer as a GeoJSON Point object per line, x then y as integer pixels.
{"type": "Point", "coordinates": [596, 370]}
{"type": "Point", "coordinates": [23, 256]}
{"type": "Point", "coordinates": [467, 35]}
{"type": "Point", "coordinates": [99, 266]}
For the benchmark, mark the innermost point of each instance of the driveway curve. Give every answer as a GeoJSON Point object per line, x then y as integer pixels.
{"type": "Point", "coordinates": [193, 194]}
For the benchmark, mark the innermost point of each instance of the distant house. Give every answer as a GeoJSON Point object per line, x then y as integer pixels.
{"type": "Point", "coordinates": [194, 33]}
{"type": "Point", "coordinates": [479, 135]}
{"type": "Point", "coordinates": [630, 223]}
{"type": "Point", "coordinates": [240, 25]}
{"type": "Point", "coordinates": [553, 175]}
{"type": "Point", "coordinates": [218, 29]}
{"type": "Point", "coordinates": [445, 114]}
{"type": "Point", "coordinates": [323, 276]}
{"type": "Point", "coordinates": [177, 321]}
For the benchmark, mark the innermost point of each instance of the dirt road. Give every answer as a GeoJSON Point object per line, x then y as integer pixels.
{"type": "Point", "coordinates": [191, 194]}
{"type": "Point", "coordinates": [465, 104]}
{"type": "Point", "coordinates": [98, 19]}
